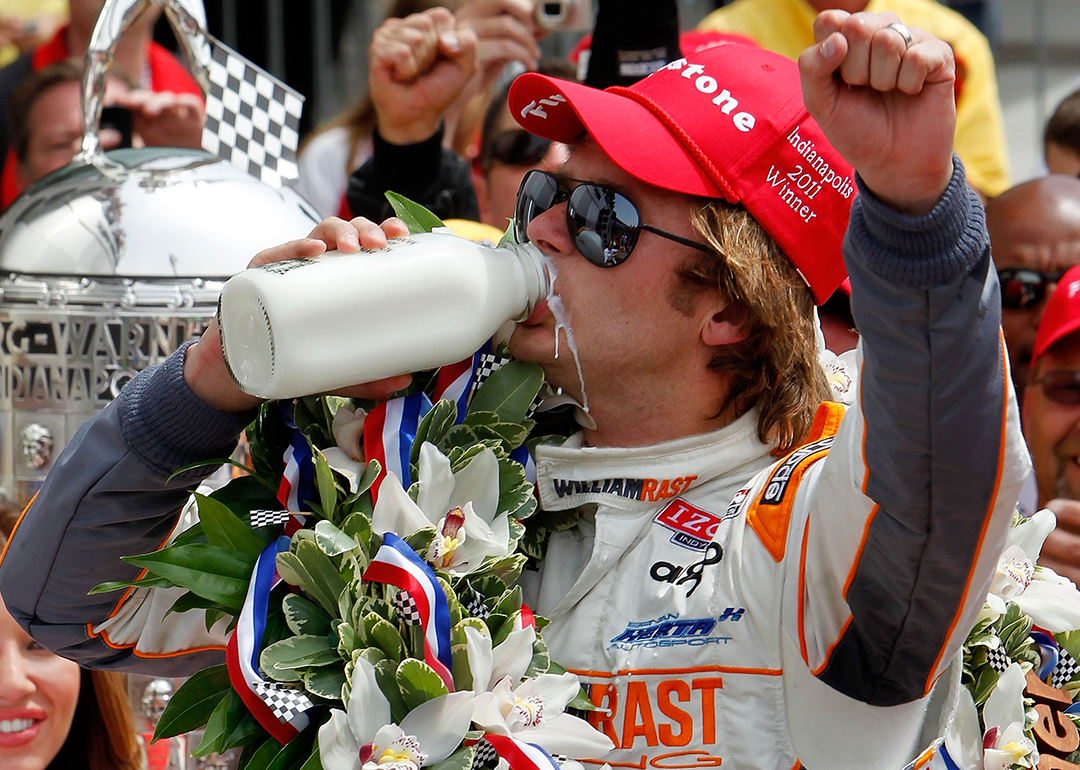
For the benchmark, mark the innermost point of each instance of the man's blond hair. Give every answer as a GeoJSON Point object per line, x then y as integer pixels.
{"type": "Point", "coordinates": [776, 367]}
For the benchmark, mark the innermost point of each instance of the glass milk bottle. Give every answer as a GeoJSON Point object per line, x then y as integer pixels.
{"type": "Point", "coordinates": [309, 326]}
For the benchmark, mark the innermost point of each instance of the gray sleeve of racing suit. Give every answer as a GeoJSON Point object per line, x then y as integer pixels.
{"type": "Point", "coordinates": [107, 497]}
{"type": "Point", "coordinates": [933, 450]}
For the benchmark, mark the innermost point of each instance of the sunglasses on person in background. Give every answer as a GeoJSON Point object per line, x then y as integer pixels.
{"type": "Point", "coordinates": [1061, 386]}
{"type": "Point", "coordinates": [515, 147]}
{"type": "Point", "coordinates": [603, 223]}
{"type": "Point", "coordinates": [1023, 289]}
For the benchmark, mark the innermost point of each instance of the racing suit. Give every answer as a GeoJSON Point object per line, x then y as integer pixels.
{"type": "Point", "coordinates": [722, 605]}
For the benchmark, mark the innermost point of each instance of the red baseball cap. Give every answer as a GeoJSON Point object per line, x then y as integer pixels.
{"type": "Point", "coordinates": [727, 122]}
{"type": "Point", "coordinates": [1062, 315]}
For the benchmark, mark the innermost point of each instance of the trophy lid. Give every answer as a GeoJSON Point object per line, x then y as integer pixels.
{"type": "Point", "coordinates": [148, 213]}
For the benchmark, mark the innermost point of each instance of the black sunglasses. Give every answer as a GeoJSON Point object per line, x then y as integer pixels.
{"type": "Point", "coordinates": [1022, 289]}
{"type": "Point", "coordinates": [1061, 386]}
{"type": "Point", "coordinates": [603, 223]}
{"type": "Point", "coordinates": [515, 147]}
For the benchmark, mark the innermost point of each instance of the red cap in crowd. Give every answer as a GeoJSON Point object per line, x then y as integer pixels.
{"type": "Point", "coordinates": [1062, 315]}
{"type": "Point", "coordinates": [727, 122]}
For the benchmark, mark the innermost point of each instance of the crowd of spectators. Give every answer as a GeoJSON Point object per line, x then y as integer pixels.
{"type": "Point", "coordinates": [435, 125]}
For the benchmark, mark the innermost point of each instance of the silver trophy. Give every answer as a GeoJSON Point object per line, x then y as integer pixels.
{"type": "Point", "coordinates": [111, 263]}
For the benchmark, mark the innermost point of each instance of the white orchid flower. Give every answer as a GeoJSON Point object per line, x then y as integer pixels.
{"type": "Point", "coordinates": [1004, 742]}
{"type": "Point", "coordinates": [510, 659]}
{"type": "Point", "coordinates": [364, 738]}
{"type": "Point", "coordinates": [460, 506]}
{"type": "Point", "coordinates": [1051, 600]}
{"type": "Point", "coordinates": [534, 711]}
{"type": "Point", "coordinates": [348, 429]}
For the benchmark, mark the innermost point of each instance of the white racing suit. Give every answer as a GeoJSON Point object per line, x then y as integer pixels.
{"type": "Point", "coordinates": [724, 606]}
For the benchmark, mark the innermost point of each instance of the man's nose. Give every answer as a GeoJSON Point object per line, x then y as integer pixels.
{"type": "Point", "coordinates": [548, 231]}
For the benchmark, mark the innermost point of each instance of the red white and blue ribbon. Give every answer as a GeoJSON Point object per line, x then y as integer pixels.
{"type": "Point", "coordinates": [397, 564]}
{"type": "Point", "coordinates": [455, 381]}
{"type": "Point", "coordinates": [1048, 653]}
{"type": "Point", "coordinates": [521, 755]}
{"type": "Point", "coordinates": [297, 486]}
{"type": "Point", "coordinates": [280, 709]}
{"type": "Point", "coordinates": [389, 433]}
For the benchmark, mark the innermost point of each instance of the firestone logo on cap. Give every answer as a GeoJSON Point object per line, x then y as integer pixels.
{"type": "Point", "coordinates": [707, 84]}
{"type": "Point", "coordinates": [536, 108]}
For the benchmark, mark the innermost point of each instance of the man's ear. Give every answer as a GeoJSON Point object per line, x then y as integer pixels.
{"type": "Point", "coordinates": [725, 325]}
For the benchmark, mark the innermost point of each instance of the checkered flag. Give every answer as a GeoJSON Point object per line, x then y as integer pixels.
{"type": "Point", "coordinates": [560, 758]}
{"type": "Point", "coordinates": [406, 609]}
{"type": "Point", "coordinates": [252, 118]}
{"type": "Point", "coordinates": [1065, 670]}
{"type": "Point", "coordinates": [474, 603]}
{"type": "Point", "coordinates": [489, 364]}
{"type": "Point", "coordinates": [997, 659]}
{"type": "Point", "coordinates": [485, 755]}
{"type": "Point", "coordinates": [287, 703]}
{"type": "Point", "coordinates": [263, 518]}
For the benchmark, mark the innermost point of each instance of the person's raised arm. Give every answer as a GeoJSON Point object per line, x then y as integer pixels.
{"type": "Point", "coordinates": [910, 509]}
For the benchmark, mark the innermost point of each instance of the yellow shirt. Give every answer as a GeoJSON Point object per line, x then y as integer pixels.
{"type": "Point", "coordinates": [786, 27]}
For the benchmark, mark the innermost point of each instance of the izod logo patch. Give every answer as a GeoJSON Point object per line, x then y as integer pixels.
{"type": "Point", "coordinates": [693, 527]}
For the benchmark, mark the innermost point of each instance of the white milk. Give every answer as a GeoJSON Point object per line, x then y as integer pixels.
{"type": "Point", "coordinates": [314, 325]}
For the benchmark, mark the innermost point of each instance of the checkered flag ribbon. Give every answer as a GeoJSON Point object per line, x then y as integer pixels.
{"type": "Point", "coordinates": [406, 609]}
{"type": "Point", "coordinates": [489, 364]}
{"type": "Point", "coordinates": [997, 659]}
{"type": "Point", "coordinates": [264, 518]}
{"type": "Point", "coordinates": [485, 755]}
{"type": "Point", "coordinates": [252, 118]}
{"type": "Point", "coordinates": [1065, 670]}
{"type": "Point", "coordinates": [286, 702]}
{"type": "Point", "coordinates": [474, 603]}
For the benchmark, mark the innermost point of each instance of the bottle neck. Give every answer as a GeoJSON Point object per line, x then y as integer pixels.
{"type": "Point", "coordinates": [537, 272]}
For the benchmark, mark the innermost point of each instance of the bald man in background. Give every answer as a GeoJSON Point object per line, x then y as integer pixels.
{"type": "Point", "coordinates": [1034, 238]}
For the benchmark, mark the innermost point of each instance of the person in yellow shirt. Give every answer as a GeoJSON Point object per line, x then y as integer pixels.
{"type": "Point", "coordinates": [786, 27]}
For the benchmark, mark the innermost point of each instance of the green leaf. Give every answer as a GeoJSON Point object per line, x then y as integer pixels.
{"type": "Point", "coordinates": [223, 528]}
{"type": "Point", "coordinates": [241, 728]}
{"type": "Point", "coordinates": [193, 702]}
{"type": "Point", "coordinates": [504, 432]}
{"type": "Point", "coordinates": [325, 682]}
{"type": "Point", "coordinates": [386, 678]}
{"type": "Point", "coordinates": [417, 218]}
{"type": "Point", "coordinates": [509, 235]}
{"type": "Point", "coordinates": [212, 572]}
{"type": "Point", "coordinates": [246, 492]}
{"type": "Point", "coordinates": [509, 391]}
{"type": "Point", "coordinates": [304, 616]}
{"type": "Point", "coordinates": [418, 682]}
{"type": "Point", "coordinates": [439, 419]}
{"type": "Point", "coordinates": [459, 760]}
{"type": "Point", "coordinates": [324, 477]}
{"type": "Point", "coordinates": [384, 635]}
{"type": "Point", "coordinates": [213, 616]}
{"type": "Point", "coordinates": [146, 581]}
{"type": "Point", "coordinates": [273, 756]}
{"type": "Point", "coordinates": [581, 702]}
{"type": "Point", "coordinates": [314, 761]}
{"type": "Point", "coordinates": [311, 569]}
{"type": "Point", "coordinates": [215, 730]}
{"type": "Point", "coordinates": [331, 540]}
{"type": "Point", "coordinates": [189, 601]}
{"type": "Point", "coordinates": [298, 652]}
